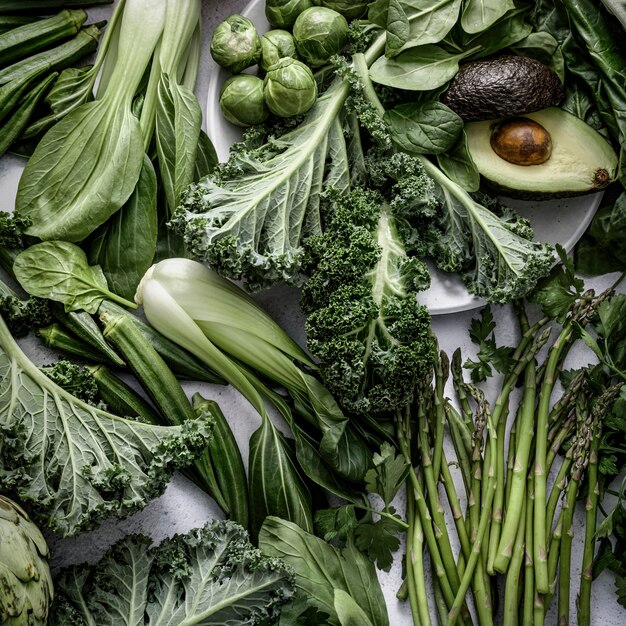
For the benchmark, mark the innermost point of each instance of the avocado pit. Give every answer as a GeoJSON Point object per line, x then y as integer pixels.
{"type": "Point", "coordinates": [521, 141]}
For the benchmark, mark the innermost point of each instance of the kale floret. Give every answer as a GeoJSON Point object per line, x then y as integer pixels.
{"type": "Point", "coordinates": [74, 379]}
{"type": "Point", "coordinates": [365, 325]}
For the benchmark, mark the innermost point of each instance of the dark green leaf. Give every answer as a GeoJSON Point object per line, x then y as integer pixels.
{"type": "Point", "coordinates": [206, 157]}
{"type": "Point", "coordinates": [124, 247]}
{"type": "Point", "coordinates": [379, 540]}
{"type": "Point", "coordinates": [300, 612]}
{"type": "Point", "coordinates": [425, 128]}
{"type": "Point", "coordinates": [458, 165]}
{"type": "Point", "coordinates": [320, 569]}
{"type": "Point", "coordinates": [388, 475]}
{"type": "Point", "coordinates": [348, 611]}
{"type": "Point", "coordinates": [59, 271]}
{"type": "Point", "coordinates": [336, 523]}
{"type": "Point", "coordinates": [276, 486]}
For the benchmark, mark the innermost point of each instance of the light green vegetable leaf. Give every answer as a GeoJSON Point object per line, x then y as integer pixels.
{"type": "Point", "coordinates": [348, 611]}
{"type": "Point", "coordinates": [398, 28]}
{"type": "Point", "coordinates": [211, 576]}
{"type": "Point", "coordinates": [68, 187]}
{"type": "Point", "coordinates": [74, 463]}
{"type": "Point", "coordinates": [420, 68]}
{"type": "Point", "coordinates": [178, 122]}
{"type": "Point", "coordinates": [504, 33]}
{"type": "Point", "coordinates": [426, 128]}
{"type": "Point", "coordinates": [458, 165]}
{"type": "Point", "coordinates": [124, 247]}
{"type": "Point", "coordinates": [59, 271]}
{"type": "Point", "coordinates": [478, 15]}
{"type": "Point", "coordinates": [321, 569]}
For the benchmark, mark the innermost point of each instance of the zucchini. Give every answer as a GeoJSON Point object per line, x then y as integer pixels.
{"type": "Point", "coordinates": [181, 362]}
{"type": "Point", "coordinates": [59, 58]}
{"type": "Point", "coordinates": [23, 41]}
{"type": "Point", "coordinates": [13, 127]}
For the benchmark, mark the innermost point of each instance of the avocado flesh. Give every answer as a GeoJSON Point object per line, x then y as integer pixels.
{"type": "Point", "coordinates": [582, 161]}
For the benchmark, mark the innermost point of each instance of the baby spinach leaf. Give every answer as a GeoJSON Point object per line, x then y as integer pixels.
{"type": "Point", "coordinates": [276, 486]}
{"type": "Point", "coordinates": [321, 569]}
{"type": "Point", "coordinates": [83, 170]}
{"type": "Point", "coordinates": [543, 47]}
{"type": "Point", "coordinates": [59, 270]}
{"type": "Point", "coordinates": [74, 463]}
{"type": "Point", "coordinates": [398, 28]}
{"type": "Point", "coordinates": [124, 247]}
{"type": "Point", "coordinates": [458, 165]}
{"type": "Point", "coordinates": [421, 68]}
{"type": "Point", "coordinates": [426, 128]}
{"type": "Point", "coordinates": [478, 15]}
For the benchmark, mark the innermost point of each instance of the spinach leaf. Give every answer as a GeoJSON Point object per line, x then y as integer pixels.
{"type": "Point", "coordinates": [426, 128]}
{"type": "Point", "coordinates": [420, 68]}
{"type": "Point", "coordinates": [348, 611]}
{"type": "Point", "coordinates": [73, 462]}
{"type": "Point", "coordinates": [458, 165]}
{"type": "Point", "coordinates": [178, 122]}
{"type": "Point", "coordinates": [59, 270]}
{"type": "Point", "coordinates": [414, 22]}
{"type": "Point", "coordinates": [543, 47]}
{"type": "Point", "coordinates": [321, 569]}
{"type": "Point", "coordinates": [507, 31]}
{"type": "Point", "coordinates": [124, 247]}
{"type": "Point", "coordinates": [83, 170]}
{"type": "Point", "coordinates": [276, 486]}
{"type": "Point", "coordinates": [479, 15]}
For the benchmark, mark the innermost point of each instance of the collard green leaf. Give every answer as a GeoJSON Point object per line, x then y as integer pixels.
{"type": "Point", "coordinates": [211, 576]}
{"type": "Point", "coordinates": [425, 128]}
{"type": "Point", "coordinates": [124, 247]}
{"type": "Point", "coordinates": [74, 463]}
{"type": "Point", "coordinates": [458, 165]}
{"type": "Point", "coordinates": [81, 173]}
{"type": "Point", "coordinates": [178, 122]}
{"type": "Point", "coordinates": [420, 68]}
{"type": "Point", "coordinates": [276, 486]}
{"type": "Point", "coordinates": [479, 15]}
{"type": "Point", "coordinates": [59, 271]}
{"type": "Point", "coordinates": [321, 568]}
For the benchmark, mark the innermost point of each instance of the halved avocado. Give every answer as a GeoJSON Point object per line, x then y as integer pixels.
{"type": "Point", "coordinates": [581, 160]}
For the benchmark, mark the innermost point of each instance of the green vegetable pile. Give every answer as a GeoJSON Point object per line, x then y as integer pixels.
{"type": "Point", "coordinates": [352, 181]}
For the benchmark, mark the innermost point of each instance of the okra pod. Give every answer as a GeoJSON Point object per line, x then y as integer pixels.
{"type": "Point", "coordinates": [11, 93]}
{"type": "Point", "coordinates": [13, 127]}
{"type": "Point", "coordinates": [56, 337]}
{"type": "Point", "coordinates": [24, 41]}
{"type": "Point", "coordinates": [181, 362]}
{"type": "Point", "coordinates": [59, 58]}
{"type": "Point", "coordinates": [39, 6]}
{"type": "Point", "coordinates": [121, 398]}
{"type": "Point", "coordinates": [81, 324]}
{"type": "Point", "coordinates": [225, 458]}
{"type": "Point", "coordinates": [9, 22]}
{"type": "Point", "coordinates": [153, 374]}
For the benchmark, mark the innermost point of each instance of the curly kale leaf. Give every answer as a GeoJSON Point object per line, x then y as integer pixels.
{"type": "Point", "coordinates": [495, 253]}
{"type": "Point", "coordinates": [75, 463]}
{"type": "Point", "coordinates": [22, 316]}
{"type": "Point", "coordinates": [210, 576]}
{"type": "Point", "coordinates": [248, 219]}
{"type": "Point", "coordinates": [364, 323]}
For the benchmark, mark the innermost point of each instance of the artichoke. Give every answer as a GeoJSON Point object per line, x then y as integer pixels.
{"type": "Point", "coordinates": [26, 590]}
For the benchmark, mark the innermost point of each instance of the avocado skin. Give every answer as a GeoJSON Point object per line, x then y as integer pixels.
{"type": "Point", "coordinates": [518, 194]}
{"type": "Point", "coordinates": [503, 86]}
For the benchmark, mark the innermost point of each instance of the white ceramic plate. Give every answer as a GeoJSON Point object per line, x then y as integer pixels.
{"type": "Point", "coordinates": [554, 221]}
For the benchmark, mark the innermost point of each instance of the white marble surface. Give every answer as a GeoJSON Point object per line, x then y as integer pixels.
{"type": "Point", "coordinates": [183, 506]}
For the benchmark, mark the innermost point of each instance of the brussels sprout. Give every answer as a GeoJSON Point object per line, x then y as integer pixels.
{"type": "Point", "coordinates": [276, 45]}
{"type": "Point", "coordinates": [320, 33]}
{"type": "Point", "coordinates": [242, 102]}
{"type": "Point", "coordinates": [235, 44]}
{"type": "Point", "coordinates": [26, 590]}
{"type": "Point", "coordinates": [289, 88]}
{"type": "Point", "coordinates": [283, 13]}
{"type": "Point", "coordinates": [350, 9]}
